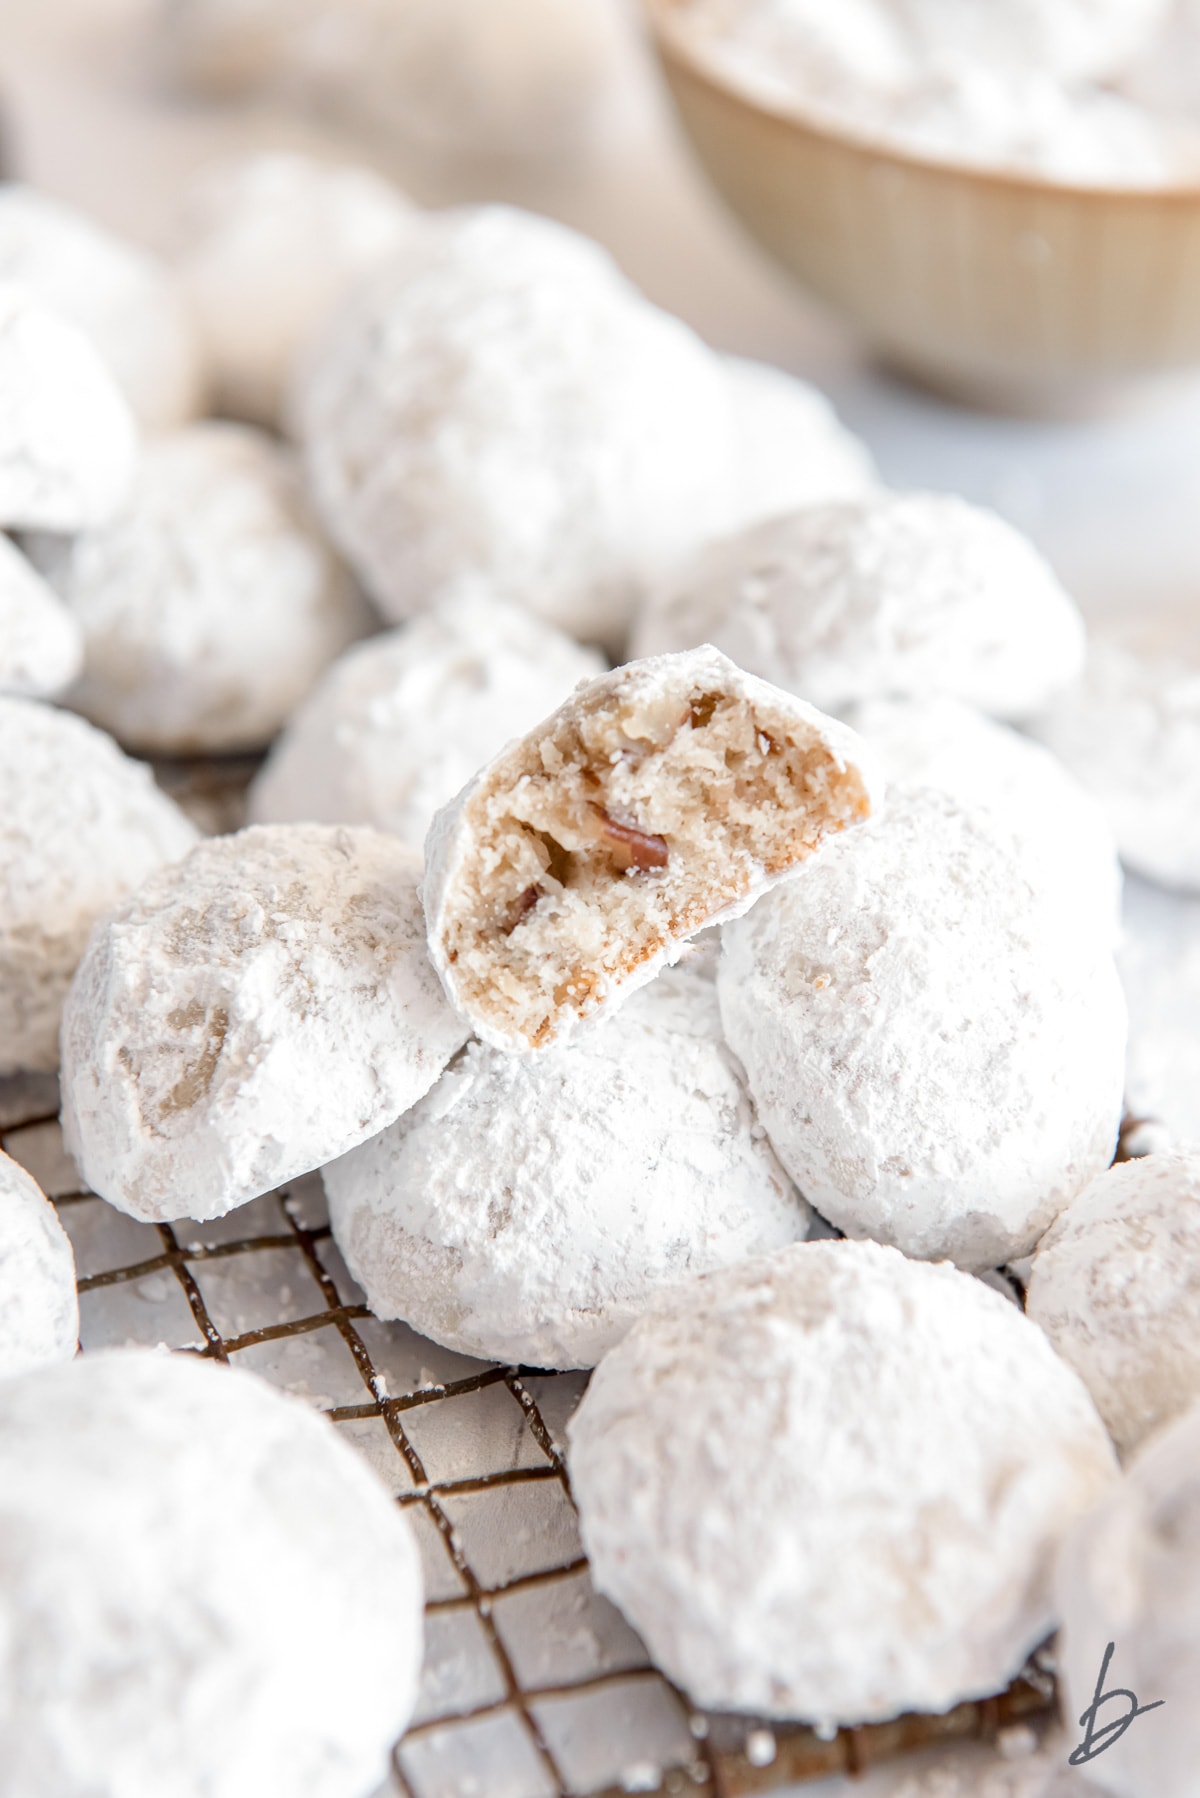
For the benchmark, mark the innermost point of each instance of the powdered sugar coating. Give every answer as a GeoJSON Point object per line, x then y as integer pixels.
{"type": "Point", "coordinates": [793, 450]}
{"type": "Point", "coordinates": [829, 1484]}
{"type": "Point", "coordinates": [1159, 962]}
{"type": "Point", "coordinates": [1072, 39]}
{"type": "Point", "coordinates": [1130, 732]}
{"type": "Point", "coordinates": [935, 1048]}
{"type": "Point", "coordinates": [41, 646]}
{"type": "Point", "coordinates": [247, 1016]}
{"type": "Point", "coordinates": [529, 1209]}
{"type": "Point", "coordinates": [211, 604]}
{"type": "Point", "coordinates": [68, 443]}
{"type": "Point", "coordinates": [1062, 829]}
{"type": "Point", "coordinates": [887, 596]}
{"type": "Point", "coordinates": [116, 293]}
{"type": "Point", "coordinates": [400, 723]}
{"type": "Point", "coordinates": [499, 413]}
{"type": "Point", "coordinates": [80, 827]}
{"type": "Point", "coordinates": [1129, 1574]}
{"type": "Point", "coordinates": [268, 245]}
{"type": "Point", "coordinates": [206, 1593]}
{"type": "Point", "coordinates": [1116, 1286]}
{"type": "Point", "coordinates": [39, 1312]}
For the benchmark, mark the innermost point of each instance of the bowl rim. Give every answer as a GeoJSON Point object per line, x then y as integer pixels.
{"type": "Point", "coordinates": [671, 40]}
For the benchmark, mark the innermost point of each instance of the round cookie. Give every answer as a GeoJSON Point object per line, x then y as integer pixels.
{"type": "Point", "coordinates": [399, 724]}
{"type": "Point", "coordinates": [530, 1208]}
{"type": "Point", "coordinates": [1061, 828]}
{"type": "Point", "coordinates": [211, 604]}
{"type": "Point", "coordinates": [793, 451]}
{"type": "Point", "coordinates": [68, 443]}
{"type": "Point", "coordinates": [1115, 1285]}
{"type": "Point", "coordinates": [936, 1050]}
{"type": "Point", "coordinates": [1130, 732]}
{"type": "Point", "coordinates": [1129, 1575]}
{"type": "Point", "coordinates": [267, 247]}
{"type": "Point", "coordinates": [657, 800]}
{"type": "Point", "coordinates": [39, 1311]}
{"type": "Point", "coordinates": [41, 646]}
{"type": "Point", "coordinates": [499, 413]}
{"type": "Point", "coordinates": [204, 1591]}
{"type": "Point", "coordinates": [1159, 962]}
{"type": "Point", "coordinates": [247, 1015]}
{"type": "Point", "coordinates": [884, 597]}
{"type": "Point", "coordinates": [80, 827]}
{"type": "Point", "coordinates": [117, 294]}
{"type": "Point", "coordinates": [829, 1484]}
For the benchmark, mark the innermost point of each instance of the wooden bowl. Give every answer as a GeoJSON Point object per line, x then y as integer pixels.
{"type": "Point", "coordinates": [1000, 287]}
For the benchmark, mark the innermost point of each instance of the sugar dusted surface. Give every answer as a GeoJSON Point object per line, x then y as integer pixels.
{"type": "Point", "coordinates": [41, 646]}
{"type": "Point", "coordinates": [39, 1314]}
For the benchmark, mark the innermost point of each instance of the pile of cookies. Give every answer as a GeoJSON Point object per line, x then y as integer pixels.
{"type": "Point", "coordinates": [741, 1017]}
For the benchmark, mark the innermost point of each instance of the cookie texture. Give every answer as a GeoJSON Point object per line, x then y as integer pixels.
{"type": "Point", "coordinates": [41, 646]}
{"type": "Point", "coordinates": [204, 1592]}
{"type": "Point", "coordinates": [829, 1484]}
{"type": "Point", "coordinates": [1129, 1574]}
{"type": "Point", "coordinates": [68, 442]}
{"type": "Point", "coordinates": [657, 800]}
{"type": "Point", "coordinates": [399, 724]}
{"type": "Point", "coordinates": [39, 1312]}
{"type": "Point", "coordinates": [935, 1048]}
{"type": "Point", "coordinates": [888, 596]}
{"type": "Point", "coordinates": [793, 449]}
{"type": "Point", "coordinates": [531, 1207]}
{"type": "Point", "coordinates": [248, 1015]}
{"type": "Point", "coordinates": [80, 827]}
{"type": "Point", "coordinates": [1115, 1285]}
{"type": "Point", "coordinates": [211, 604]}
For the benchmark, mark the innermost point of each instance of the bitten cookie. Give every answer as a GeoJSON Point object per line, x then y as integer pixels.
{"type": "Point", "coordinates": [936, 1049]}
{"type": "Point", "coordinates": [41, 646]}
{"type": "Point", "coordinates": [660, 798]}
{"type": "Point", "coordinates": [530, 1208]}
{"type": "Point", "coordinates": [888, 596]}
{"type": "Point", "coordinates": [1115, 1285]}
{"type": "Point", "coordinates": [829, 1484]}
{"type": "Point", "coordinates": [80, 827]}
{"type": "Point", "coordinates": [204, 1591]}
{"type": "Point", "coordinates": [39, 1312]}
{"type": "Point", "coordinates": [248, 1015]}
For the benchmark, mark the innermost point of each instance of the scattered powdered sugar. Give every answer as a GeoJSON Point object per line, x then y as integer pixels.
{"type": "Point", "coordinates": [202, 1590]}
{"type": "Point", "coordinates": [41, 646]}
{"type": "Point", "coordinates": [529, 1209]}
{"type": "Point", "coordinates": [247, 1016]}
{"type": "Point", "coordinates": [828, 1484]}
{"type": "Point", "coordinates": [39, 1313]}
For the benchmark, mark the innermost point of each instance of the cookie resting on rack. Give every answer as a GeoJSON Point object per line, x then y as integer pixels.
{"type": "Point", "coordinates": [658, 799]}
{"type": "Point", "coordinates": [39, 1312]}
{"type": "Point", "coordinates": [829, 1484]}
{"type": "Point", "coordinates": [531, 1207]}
{"type": "Point", "coordinates": [935, 1047]}
{"type": "Point", "coordinates": [204, 1592]}
{"type": "Point", "coordinates": [248, 1015]}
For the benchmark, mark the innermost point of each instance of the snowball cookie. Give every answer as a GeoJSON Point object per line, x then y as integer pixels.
{"type": "Point", "coordinates": [887, 596]}
{"type": "Point", "coordinates": [118, 295]}
{"type": "Point", "coordinates": [944, 744]}
{"type": "Point", "coordinates": [268, 245]}
{"type": "Point", "coordinates": [68, 443]}
{"type": "Point", "coordinates": [211, 604]}
{"type": "Point", "coordinates": [1159, 963]}
{"type": "Point", "coordinates": [39, 1312]}
{"type": "Point", "coordinates": [1129, 1574]}
{"type": "Point", "coordinates": [206, 1593]}
{"type": "Point", "coordinates": [935, 1048]}
{"type": "Point", "coordinates": [793, 449]}
{"type": "Point", "coordinates": [829, 1483]}
{"type": "Point", "coordinates": [41, 646]}
{"type": "Point", "coordinates": [530, 1208]}
{"type": "Point", "coordinates": [658, 799]}
{"type": "Point", "coordinates": [1130, 731]}
{"type": "Point", "coordinates": [399, 724]}
{"type": "Point", "coordinates": [80, 827]}
{"type": "Point", "coordinates": [1075, 40]}
{"type": "Point", "coordinates": [249, 1014]}
{"type": "Point", "coordinates": [498, 412]}
{"type": "Point", "coordinates": [1115, 1285]}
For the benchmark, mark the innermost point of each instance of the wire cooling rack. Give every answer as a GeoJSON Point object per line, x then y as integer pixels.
{"type": "Point", "coordinates": [534, 1686]}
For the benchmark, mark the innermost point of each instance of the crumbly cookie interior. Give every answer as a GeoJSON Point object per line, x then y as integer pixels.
{"type": "Point", "coordinates": [620, 829]}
